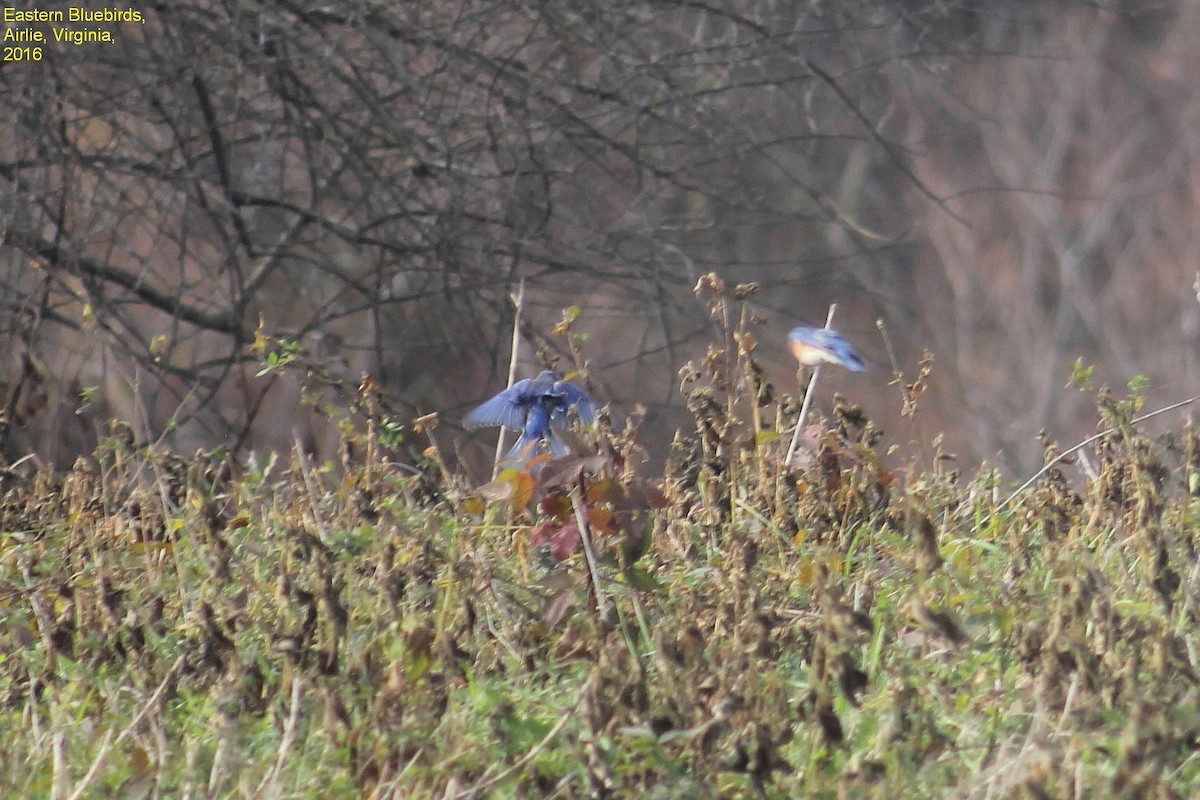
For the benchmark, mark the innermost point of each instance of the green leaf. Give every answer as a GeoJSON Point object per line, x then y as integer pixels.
{"type": "Point", "coordinates": [638, 578]}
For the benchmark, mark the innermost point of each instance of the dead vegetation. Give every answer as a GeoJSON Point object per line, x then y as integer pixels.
{"type": "Point", "coordinates": [202, 628]}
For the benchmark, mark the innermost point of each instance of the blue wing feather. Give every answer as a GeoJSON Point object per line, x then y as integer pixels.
{"type": "Point", "coordinates": [534, 406]}
{"type": "Point", "coordinates": [507, 408]}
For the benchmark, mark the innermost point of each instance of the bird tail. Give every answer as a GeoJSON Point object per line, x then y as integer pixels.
{"type": "Point", "coordinates": [528, 448]}
{"type": "Point", "coordinates": [851, 361]}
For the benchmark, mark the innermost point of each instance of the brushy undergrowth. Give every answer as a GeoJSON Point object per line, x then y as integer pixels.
{"type": "Point", "coordinates": [201, 628]}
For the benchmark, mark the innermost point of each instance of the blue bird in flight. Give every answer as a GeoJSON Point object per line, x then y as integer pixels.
{"type": "Point", "coordinates": [535, 407]}
{"type": "Point", "coordinates": [813, 346]}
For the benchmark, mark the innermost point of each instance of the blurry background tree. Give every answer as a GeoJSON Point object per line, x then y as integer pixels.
{"type": "Point", "coordinates": [1009, 185]}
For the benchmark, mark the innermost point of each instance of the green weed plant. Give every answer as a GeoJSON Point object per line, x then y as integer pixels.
{"type": "Point", "coordinates": [736, 627]}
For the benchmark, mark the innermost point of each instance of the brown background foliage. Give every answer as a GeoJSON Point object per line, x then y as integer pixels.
{"type": "Point", "coordinates": [1010, 187]}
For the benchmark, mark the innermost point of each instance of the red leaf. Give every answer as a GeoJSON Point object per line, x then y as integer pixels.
{"type": "Point", "coordinates": [556, 505]}
{"type": "Point", "coordinates": [562, 537]}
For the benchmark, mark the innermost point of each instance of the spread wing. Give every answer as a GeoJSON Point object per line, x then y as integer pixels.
{"type": "Point", "coordinates": [508, 408]}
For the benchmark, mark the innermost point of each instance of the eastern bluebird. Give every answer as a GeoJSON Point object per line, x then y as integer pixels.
{"type": "Point", "coordinates": [534, 406]}
{"type": "Point", "coordinates": [812, 346]}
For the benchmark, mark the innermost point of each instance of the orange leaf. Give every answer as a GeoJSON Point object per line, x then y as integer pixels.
{"type": "Point", "coordinates": [604, 490]}
{"type": "Point", "coordinates": [600, 520]}
{"type": "Point", "coordinates": [523, 484]}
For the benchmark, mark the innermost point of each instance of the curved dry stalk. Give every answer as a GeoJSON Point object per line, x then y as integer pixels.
{"type": "Point", "coordinates": [1057, 459]}
{"type": "Point", "coordinates": [555, 730]}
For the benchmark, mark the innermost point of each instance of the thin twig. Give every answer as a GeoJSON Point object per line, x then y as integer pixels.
{"type": "Point", "coordinates": [899, 159]}
{"type": "Point", "coordinates": [40, 611]}
{"type": "Point", "coordinates": [808, 396]}
{"type": "Point", "coordinates": [301, 457]}
{"type": "Point", "coordinates": [109, 742]}
{"type": "Point", "coordinates": [285, 745]}
{"type": "Point", "coordinates": [518, 301]}
{"type": "Point", "coordinates": [589, 553]}
{"type": "Point", "coordinates": [58, 749]}
{"type": "Point", "coordinates": [551, 735]}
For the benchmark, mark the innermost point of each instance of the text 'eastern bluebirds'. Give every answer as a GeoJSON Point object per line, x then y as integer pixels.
{"type": "Point", "coordinates": [535, 407]}
{"type": "Point", "coordinates": [813, 346]}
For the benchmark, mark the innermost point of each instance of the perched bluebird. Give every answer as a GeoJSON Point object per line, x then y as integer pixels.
{"type": "Point", "coordinates": [812, 346]}
{"type": "Point", "coordinates": [534, 406]}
